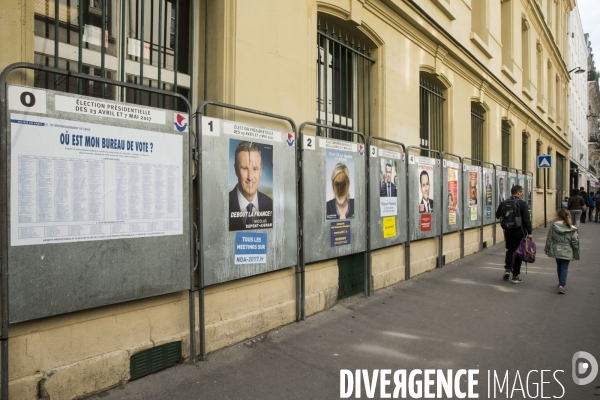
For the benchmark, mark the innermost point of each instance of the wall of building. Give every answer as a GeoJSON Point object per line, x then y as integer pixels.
{"type": "Point", "coordinates": [263, 55]}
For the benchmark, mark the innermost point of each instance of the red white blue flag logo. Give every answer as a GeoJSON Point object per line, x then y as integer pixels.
{"type": "Point", "coordinates": [290, 139]}
{"type": "Point", "coordinates": [361, 149]}
{"type": "Point", "coordinates": [180, 123]}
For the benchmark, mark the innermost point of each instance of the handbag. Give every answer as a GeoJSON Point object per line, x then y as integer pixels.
{"type": "Point", "coordinates": [526, 252]}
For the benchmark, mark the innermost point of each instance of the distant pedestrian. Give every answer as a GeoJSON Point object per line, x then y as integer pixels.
{"type": "Point", "coordinates": [575, 206]}
{"type": "Point", "coordinates": [562, 244]}
{"type": "Point", "coordinates": [516, 222]}
{"type": "Point", "coordinates": [597, 201]}
{"type": "Point", "coordinates": [585, 198]}
{"type": "Point", "coordinates": [592, 205]}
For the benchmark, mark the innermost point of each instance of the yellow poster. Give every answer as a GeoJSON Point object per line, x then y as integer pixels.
{"type": "Point", "coordinates": [473, 213]}
{"type": "Point", "coordinates": [389, 227]}
{"type": "Point", "coordinates": [452, 218]}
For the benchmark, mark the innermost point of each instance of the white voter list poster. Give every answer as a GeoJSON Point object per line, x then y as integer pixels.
{"type": "Point", "coordinates": [75, 181]}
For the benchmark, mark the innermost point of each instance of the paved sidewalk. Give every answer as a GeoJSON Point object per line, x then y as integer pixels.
{"type": "Point", "coordinates": [463, 316]}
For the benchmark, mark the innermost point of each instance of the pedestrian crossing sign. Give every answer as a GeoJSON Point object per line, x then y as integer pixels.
{"type": "Point", "coordinates": [544, 161]}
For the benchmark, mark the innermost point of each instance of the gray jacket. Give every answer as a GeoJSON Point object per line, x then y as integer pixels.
{"type": "Point", "coordinates": [562, 242]}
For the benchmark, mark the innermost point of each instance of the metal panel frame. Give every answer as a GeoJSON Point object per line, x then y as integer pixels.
{"type": "Point", "coordinates": [368, 180]}
{"type": "Point", "coordinates": [367, 283]}
{"type": "Point", "coordinates": [477, 163]}
{"type": "Point", "coordinates": [494, 198]}
{"type": "Point", "coordinates": [199, 212]}
{"type": "Point", "coordinates": [408, 238]}
{"type": "Point", "coordinates": [4, 224]}
{"type": "Point", "coordinates": [461, 229]}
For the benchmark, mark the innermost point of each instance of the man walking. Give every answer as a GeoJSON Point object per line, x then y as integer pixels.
{"type": "Point", "coordinates": [597, 201]}
{"type": "Point", "coordinates": [586, 200]}
{"type": "Point", "coordinates": [516, 223]}
{"type": "Point", "coordinates": [592, 203]}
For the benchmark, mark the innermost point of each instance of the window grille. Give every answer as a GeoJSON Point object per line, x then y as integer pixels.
{"type": "Point", "coordinates": [524, 153]}
{"type": "Point", "coordinates": [477, 133]}
{"type": "Point", "coordinates": [505, 145]}
{"type": "Point", "coordinates": [431, 102]}
{"type": "Point", "coordinates": [343, 83]}
{"type": "Point", "coordinates": [538, 152]}
{"type": "Point", "coordinates": [142, 41]}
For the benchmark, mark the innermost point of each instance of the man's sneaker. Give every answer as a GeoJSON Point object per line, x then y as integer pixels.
{"type": "Point", "coordinates": [506, 275]}
{"type": "Point", "coordinates": [561, 290]}
{"type": "Point", "coordinates": [516, 279]}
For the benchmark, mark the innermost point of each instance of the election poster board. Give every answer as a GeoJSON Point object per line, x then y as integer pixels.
{"type": "Point", "coordinates": [512, 180]}
{"type": "Point", "coordinates": [451, 196]}
{"type": "Point", "coordinates": [489, 192]}
{"type": "Point", "coordinates": [387, 192]}
{"type": "Point", "coordinates": [425, 178]}
{"type": "Point", "coordinates": [529, 191]}
{"type": "Point", "coordinates": [249, 213]}
{"type": "Point", "coordinates": [334, 198]}
{"type": "Point", "coordinates": [98, 202]}
{"type": "Point", "coordinates": [473, 195]}
{"type": "Point", "coordinates": [502, 190]}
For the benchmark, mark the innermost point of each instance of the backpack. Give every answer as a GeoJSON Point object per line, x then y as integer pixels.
{"type": "Point", "coordinates": [526, 251]}
{"type": "Point", "coordinates": [511, 217]}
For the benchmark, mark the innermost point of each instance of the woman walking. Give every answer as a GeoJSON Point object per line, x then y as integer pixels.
{"type": "Point", "coordinates": [575, 206]}
{"type": "Point", "coordinates": [562, 244]}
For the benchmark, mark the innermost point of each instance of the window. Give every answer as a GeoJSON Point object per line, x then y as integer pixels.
{"type": "Point", "coordinates": [525, 54]}
{"type": "Point", "coordinates": [550, 88]}
{"type": "Point", "coordinates": [506, 26]}
{"type": "Point", "coordinates": [505, 144]}
{"type": "Point", "coordinates": [477, 131]}
{"type": "Point", "coordinates": [143, 37]}
{"type": "Point", "coordinates": [343, 81]}
{"type": "Point", "coordinates": [524, 151]}
{"type": "Point", "coordinates": [479, 19]}
{"type": "Point", "coordinates": [431, 105]}
{"type": "Point", "coordinates": [540, 74]}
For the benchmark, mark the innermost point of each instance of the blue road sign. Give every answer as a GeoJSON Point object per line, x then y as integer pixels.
{"type": "Point", "coordinates": [544, 161]}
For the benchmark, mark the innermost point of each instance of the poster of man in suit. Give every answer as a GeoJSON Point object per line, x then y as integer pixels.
{"type": "Point", "coordinates": [251, 180]}
{"type": "Point", "coordinates": [425, 184]}
{"type": "Point", "coordinates": [388, 191]}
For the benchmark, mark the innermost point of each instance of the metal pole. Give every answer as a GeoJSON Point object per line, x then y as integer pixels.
{"type": "Point", "coordinates": [545, 226]}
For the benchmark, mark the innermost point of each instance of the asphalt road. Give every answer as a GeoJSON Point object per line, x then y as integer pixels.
{"type": "Point", "coordinates": [463, 316]}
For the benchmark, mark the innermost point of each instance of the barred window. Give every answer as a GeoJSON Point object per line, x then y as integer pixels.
{"type": "Point", "coordinates": [477, 131]}
{"type": "Point", "coordinates": [505, 144]}
{"type": "Point", "coordinates": [431, 106]}
{"type": "Point", "coordinates": [141, 41]}
{"type": "Point", "coordinates": [343, 80]}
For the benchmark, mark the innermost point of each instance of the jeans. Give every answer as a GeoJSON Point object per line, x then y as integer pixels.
{"type": "Point", "coordinates": [562, 269]}
{"type": "Point", "coordinates": [597, 212]}
{"type": "Point", "coordinates": [575, 217]}
{"type": "Point", "coordinates": [512, 244]}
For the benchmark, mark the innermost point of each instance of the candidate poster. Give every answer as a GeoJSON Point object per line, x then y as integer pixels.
{"type": "Point", "coordinates": [473, 188]}
{"type": "Point", "coordinates": [452, 195]}
{"type": "Point", "coordinates": [488, 188]}
{"type": "Point", "coordinates": [251, 183]}
{"type": "Point", "coordinates": [388, 187]}
{"type": "Point", "coordinates": [529, 189]}
{"type": "Point", "coordinates": [340, 183]}
{"type": "Point", "coordinates": [426, 183]}
{"type": "Point", "coordinates": [501, 183]}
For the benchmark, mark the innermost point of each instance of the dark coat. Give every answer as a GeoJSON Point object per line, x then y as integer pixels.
{"type": "Point", "coordinates": [525, 220]}
{"type": "Point", "coordinates": [430, 207]}
{"type": "Point", "coordinates": [575, 203]}
{"type": "Point", "coordinates": [383, 190]}
{"type": "Point", "coordinates": [332, 211]}
{"type": "Point", "coordinates": [237, 224]}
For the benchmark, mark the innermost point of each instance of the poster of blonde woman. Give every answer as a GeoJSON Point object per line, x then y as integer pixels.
{"type": "Point", "coordinates": [339, 185]}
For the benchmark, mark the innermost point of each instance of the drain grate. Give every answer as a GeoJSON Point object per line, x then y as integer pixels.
{"type": "Point", "coordinates": [155, 359]}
